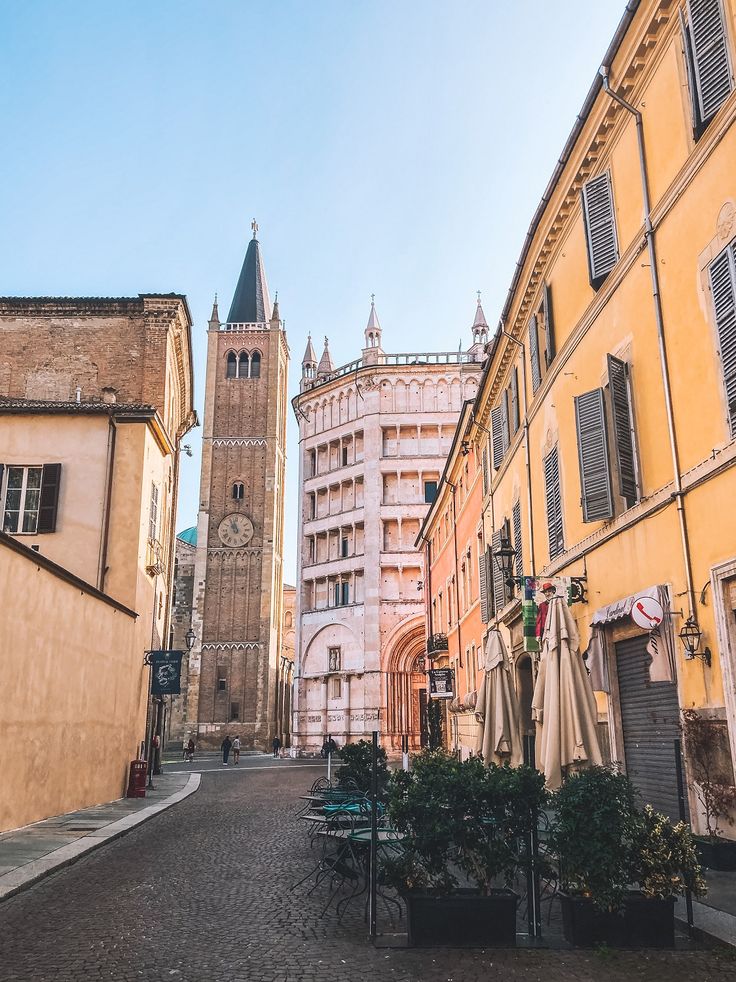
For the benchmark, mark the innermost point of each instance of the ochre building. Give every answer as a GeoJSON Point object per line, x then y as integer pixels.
{"type": "Point", "coordinates": [607, 416]}
{"type": "Point", "coordinates": [237, 620]}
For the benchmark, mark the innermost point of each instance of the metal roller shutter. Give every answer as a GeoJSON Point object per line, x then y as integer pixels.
{"type": "Point", "coordinates": [650, 716]}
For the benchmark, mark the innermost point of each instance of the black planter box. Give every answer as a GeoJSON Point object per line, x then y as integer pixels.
{"type": "Point", "coordinates": [464, 919]}
{"type": "Point", "coordinates": [720, 855]}
{"type": "Point", "coordinates": [643, 923]}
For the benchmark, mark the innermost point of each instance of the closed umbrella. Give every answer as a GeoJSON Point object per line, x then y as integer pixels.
{"type": "Point", "coordinates": [563, 704]}
{"type": "Point", "coordinates": [497, 708]}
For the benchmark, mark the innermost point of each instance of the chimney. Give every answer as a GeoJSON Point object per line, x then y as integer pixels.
{"type": "Point", "coordinates": [78, 394]}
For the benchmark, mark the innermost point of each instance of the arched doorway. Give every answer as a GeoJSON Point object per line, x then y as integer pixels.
{"type": "Point", "coordinates": [406, 684]}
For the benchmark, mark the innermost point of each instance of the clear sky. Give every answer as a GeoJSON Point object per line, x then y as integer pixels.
{"type": "Point", "coordinates": [395, 147]}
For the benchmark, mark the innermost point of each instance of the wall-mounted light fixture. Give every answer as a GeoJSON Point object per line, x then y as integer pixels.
{"type": "Point", "coordinates": [691, 635]}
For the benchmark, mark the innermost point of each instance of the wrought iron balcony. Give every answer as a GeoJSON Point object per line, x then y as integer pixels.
{"type": "Point", "coordinates": [436, 642]}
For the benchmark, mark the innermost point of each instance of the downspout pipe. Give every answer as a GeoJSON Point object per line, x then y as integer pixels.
{"type": "Point", "coordinates": [678, 493]}
{"type": "Point", "coordinates": [453, 490]}
{"type": "Point", "coordinates": [527, 453]}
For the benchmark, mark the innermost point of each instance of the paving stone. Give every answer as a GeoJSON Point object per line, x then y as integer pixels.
{"type": "Point", "coordinates": [202, 893]}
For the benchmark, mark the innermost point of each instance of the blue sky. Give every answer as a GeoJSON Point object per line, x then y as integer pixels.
{"type": "Point", "coordinates": [395, 147]}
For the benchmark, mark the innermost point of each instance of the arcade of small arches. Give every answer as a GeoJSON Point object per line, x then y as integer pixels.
{"type": "Point", "coordinates": [243, 364]}
{"type": "Point", "coordinates": [396, 395]}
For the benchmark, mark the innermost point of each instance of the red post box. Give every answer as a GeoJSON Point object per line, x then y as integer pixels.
{"type": "Point", "coordinates": [137, 779]}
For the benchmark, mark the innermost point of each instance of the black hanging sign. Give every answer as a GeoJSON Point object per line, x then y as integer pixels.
{"type": "Point", "coordinates": [166, 673]}
{"type": "Point", "coordinates": [441, 683]}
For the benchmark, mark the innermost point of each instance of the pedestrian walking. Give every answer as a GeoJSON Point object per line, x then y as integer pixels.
{"type": "Point", "coordinates": [225, 747]}
{"type": "Point", "coordinates": [236, 750]}
{"type": "Point", "coordinates": [189, 751]}
{"type": "Point", "coordinates": [276, 744]}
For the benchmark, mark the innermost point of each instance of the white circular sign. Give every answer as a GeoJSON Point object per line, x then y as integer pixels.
{"type": "Point", "coordinates": [647, 613]}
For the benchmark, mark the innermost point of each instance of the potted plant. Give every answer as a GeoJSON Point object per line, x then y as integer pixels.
{"type": "Point", "coordinates": [713, 790]}
{"type": "Point", "coordinates": [459, 820]}
{"type": "Point", "coordinates": [356, 767]}
{"type": "Point", "coordinates": [606, 848]}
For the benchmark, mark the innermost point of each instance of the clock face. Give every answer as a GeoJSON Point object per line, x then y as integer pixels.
{"type": "Point", "coordinates": [235, 530]}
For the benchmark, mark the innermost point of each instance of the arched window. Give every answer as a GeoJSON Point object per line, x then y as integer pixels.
{"type": "Point", "coordinates": [255, 365]}
{"type": "Point", "coordinates": [238, 490]}
{"type": "Point", "coordinates": [243, 365]}
{"type": "Point", "coordinates": [232, 365]}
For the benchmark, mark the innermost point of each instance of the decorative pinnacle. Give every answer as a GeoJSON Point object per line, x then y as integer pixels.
{"type": "Point", "coordinates": [373, 299]}
{"type": "Point", "coordinates": [478, 292]}
{"type": "Point", "coordinates": [254, 226]}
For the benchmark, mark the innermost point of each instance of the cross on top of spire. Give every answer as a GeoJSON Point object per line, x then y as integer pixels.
{"type": "Point", "coordinates": [254, 226]}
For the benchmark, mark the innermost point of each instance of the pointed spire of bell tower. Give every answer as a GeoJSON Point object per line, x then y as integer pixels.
{"type": "Point", "coordinates": [251, 302]}
{"type": "Point", "coordinates": [215, 316]}
{"type": "Point", "coordinates": [275, 315]}
{"type": "Point", "coordinates": [326, 366]}
{"type": "Point", "coordinates": [373, 328]}
{"type": "Point", "coordinates": [480, 332]}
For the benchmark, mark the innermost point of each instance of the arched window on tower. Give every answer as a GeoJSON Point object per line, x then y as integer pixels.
{"type": "Point", "coordinates": [238, 490]}
{"type": "Point", "coordinates": [243, 365]}
{"type": "Point", "coordinates": [232, 365]}
{"type": "Point", "coordinates": [255, 365]}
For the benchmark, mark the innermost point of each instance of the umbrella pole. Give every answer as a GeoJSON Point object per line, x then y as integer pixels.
{"type": "Point", "coordinates": [683, 818]}
{"type": "Point", "coordinates": [533, 905]}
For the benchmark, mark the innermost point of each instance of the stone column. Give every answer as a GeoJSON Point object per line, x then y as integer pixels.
{"type": "Point", "coordinates": [325, 730]}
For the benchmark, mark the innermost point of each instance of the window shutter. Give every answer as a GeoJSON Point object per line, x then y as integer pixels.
{"type": "Point", "coordinates": [485, 614]}
{"type": "Point", "coordinates": [595, 474]}
{"type": "Point", "coordinates": [515, 417]}
{"type": "Point", "coordinates": [600, 228]}
{"type": "Point", "coordinates": [485, 470]}
{"type": "Point", "coordinates": [505, 437]}
{"type": "Point", "coordinates": [534, 354]}
{"type": "Point", "coordinates": [710, 55]}
{"type": "Point", "coordinates": [619, 389]}
{"type": "Point", "coordinates": [518, 542]}
{"type": "Point", "coordinates": [499, 591]}
{"type": "Point", "coordinates": [49, 500]}
{"type": "Point", "coordinates": [554, 504]}
{"type": "Point", "coordinates": [690, 66]}
{"type": "Point", "coordinates": [548, 326]}
{"type": "Point", "coordinates": [497, 428]}
{"type": "Point", "coordinates": [723, 286]}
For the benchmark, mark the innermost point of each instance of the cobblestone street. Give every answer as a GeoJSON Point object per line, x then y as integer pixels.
{"type": "Point", "coordinates": [201, 894]}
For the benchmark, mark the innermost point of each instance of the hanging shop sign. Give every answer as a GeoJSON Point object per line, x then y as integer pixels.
{"type": "Point", "coordinates": [166, 673]}
{"type": "Point", "coordinates": [441, 683]}
{"type": "Point", "coordinates": [647, 612]}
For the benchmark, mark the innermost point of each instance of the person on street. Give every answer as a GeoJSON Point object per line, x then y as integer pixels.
{"type": "Point", "coordinates": [236, 750]}
{"type": "Point", "coordinates": [189, 751]}
{"type": "Point", "coordinates": [276, 744]}
{"type": "Point", "coordinates": [225, 747]}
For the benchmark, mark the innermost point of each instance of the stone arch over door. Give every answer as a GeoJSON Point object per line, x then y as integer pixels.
{"type": "Point", "coordinates": [404, 683]}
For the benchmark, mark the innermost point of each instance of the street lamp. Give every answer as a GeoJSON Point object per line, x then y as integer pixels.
{"type": "Point", "coordinates": [190, 637]}
{"type": "Point", "coordinates": [505, 556]}
{"type": "Point", "coordinates": [690, 635]}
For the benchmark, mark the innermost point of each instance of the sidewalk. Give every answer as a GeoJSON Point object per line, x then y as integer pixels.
{"type": "Point", "coordinates": [31, 853]}
{"type": "Point", "coordinates": [715, 914]}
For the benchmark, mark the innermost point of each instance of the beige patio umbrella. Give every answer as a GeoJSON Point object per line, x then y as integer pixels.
{"type": "Point", "coordinates": [497, 707]}
{"type": "Point", "coordinates": [563, 704]}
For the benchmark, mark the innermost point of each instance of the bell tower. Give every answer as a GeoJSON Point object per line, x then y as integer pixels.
{"type": "Point", "coordinates": [238, 576]}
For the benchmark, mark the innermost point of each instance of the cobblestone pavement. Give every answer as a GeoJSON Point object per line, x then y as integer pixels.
{"type": "Point", "coordinates": [201, 894]}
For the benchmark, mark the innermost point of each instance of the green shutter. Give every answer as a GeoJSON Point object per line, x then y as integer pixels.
{"type": "Point", "coordinates": [549, 330]}
{"type": "Point", "coordinates": [49, 499]}
{"type": "Point", "coordinates": [595, 473]}
{"type": "Point", "coordinates": [619, 389]}
{"type": "Point", "coordinates": [711, 66]}
{"type": "Point", "coordinates": [553, 496]}
{"type": "Point", "coordinates": [534, 354]}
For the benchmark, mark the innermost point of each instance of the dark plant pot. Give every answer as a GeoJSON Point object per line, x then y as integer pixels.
{"type": "Point", "coordinates": [463, 919]}
{"type": "Point", "coordinates": [717, 854]}
{"type": "Point", "coordinates": [643, 923]}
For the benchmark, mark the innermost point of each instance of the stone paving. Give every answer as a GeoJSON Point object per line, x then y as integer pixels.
{"type": "Point", "coordinates": [201, 893]}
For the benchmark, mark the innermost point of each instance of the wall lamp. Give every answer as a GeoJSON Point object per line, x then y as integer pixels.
{"type": "Point", "coordinates": [690, 635]}
{"type": "Point", "coordinates": [505, 556]}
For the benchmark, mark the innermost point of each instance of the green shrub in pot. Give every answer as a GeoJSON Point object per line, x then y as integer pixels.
{"type": "Point", "coordinates": [356, 767]}
{"type": "Point", "coordinates": [665, 860]}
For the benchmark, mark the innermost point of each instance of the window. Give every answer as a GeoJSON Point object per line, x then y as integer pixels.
{"type": "Point", "coordinates": [243, 364]}
{"type": "Point", "coordinates": [232, 365]}
{"type": "Point", "coordinates": [553, 496]}
{"type": "Point", "coordinates": [430, 491]}
{"type": "Point", "coordinates": [345, 592]}
{"type": "Point", "coordinates": [335, 687]}
{"type": "Point", "coordinates": [344, 545]}
{"type": "Point", "coordinates": [31, 498]}
{"type": "Point", "coordinates": [486, 477]}
{"type": "Point", "coordinates": [234, 711]}
{"type": "Point", "coordinates": [514, 415]}
{"type": "Point", "coordinates": [238, 490]}
{"type": "Point", "coordinates": [500, 429]}
{"type": "Point", "coordinates": [710, 79]}
{"type": "Point", "coordinates": [497, 577]}
{"type": "Point", "coordinates": [255, 365]}
{"type": "Point", "coordinates": [607, 446]}
{"type": "Point", "coordinates": [600, 228]}
{"type": "Point", "coordinates": [723, 287]}
{"type": "Point", "coordinates": [540, 357]}
{"type": "Point", "coordinates": [344, 456]}
{"type": "Point", "coordinates": [483, 575]}
{"type": "Point", "coordinates": [221, 681]}
{"type": "Point", "coordinates": [153, 514]}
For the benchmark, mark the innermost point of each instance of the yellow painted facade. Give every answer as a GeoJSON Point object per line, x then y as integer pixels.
{"type": "Point", "coordinates": [691, 179]}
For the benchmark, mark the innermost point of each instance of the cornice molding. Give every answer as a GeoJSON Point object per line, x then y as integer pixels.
{"type": "Point", "coordinates": [231, 645]}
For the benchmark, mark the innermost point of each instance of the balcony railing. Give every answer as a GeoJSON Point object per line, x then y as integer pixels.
{"type": "Point", "coordinates": [154, 558]}
{"type": "Point", "coordinates": [436, 642]}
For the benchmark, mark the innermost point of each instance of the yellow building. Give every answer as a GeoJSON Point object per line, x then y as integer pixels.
{"type": "Point", "coordinates": [607, 416]}
{"type": "Point", "coordinates": [88, 485]}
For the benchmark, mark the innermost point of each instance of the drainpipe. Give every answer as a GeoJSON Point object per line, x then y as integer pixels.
{"type": "Point", "coordinates": [453, 489]}
{"type": "Point", "coordinates": [102, 571]}
{"type": "Point", "coordinates": [527, 454]}
{"type": "Point", "coordinates": [678, 493]}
